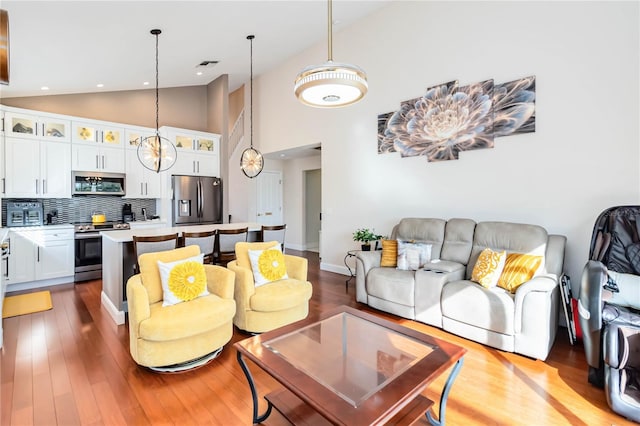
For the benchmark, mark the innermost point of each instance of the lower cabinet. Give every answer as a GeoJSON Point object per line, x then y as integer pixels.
{"type": "Point", "coordinates": [40, 255]}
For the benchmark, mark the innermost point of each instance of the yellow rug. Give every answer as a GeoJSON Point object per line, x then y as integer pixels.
{"type": "Point", "coordinates": [26, 304]}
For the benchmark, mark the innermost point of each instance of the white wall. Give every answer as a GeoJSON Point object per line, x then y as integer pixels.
{"type": "Point", "coordinates": [583, 157]}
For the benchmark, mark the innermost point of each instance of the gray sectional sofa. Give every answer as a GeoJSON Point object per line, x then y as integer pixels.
{"type": "Point", "coordinates": [441, 294]}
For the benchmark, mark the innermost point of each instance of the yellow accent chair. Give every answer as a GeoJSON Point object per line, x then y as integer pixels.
{"type": "Point", "coordinates": [272, 305]}
{"type": "Point", "coordinates": [164, 336]}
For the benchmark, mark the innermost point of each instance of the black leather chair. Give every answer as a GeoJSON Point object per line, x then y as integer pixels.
{"type": "Point", "coordinates": [609, 309]}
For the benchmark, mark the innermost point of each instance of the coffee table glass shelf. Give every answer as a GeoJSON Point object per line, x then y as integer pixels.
{"type": "Point", "coordinates": [350, 368]}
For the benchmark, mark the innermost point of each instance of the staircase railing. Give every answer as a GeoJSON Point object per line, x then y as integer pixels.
{"type": "Point", "coordinates": [237, 133]}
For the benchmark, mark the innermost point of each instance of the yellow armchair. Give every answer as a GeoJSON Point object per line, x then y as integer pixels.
{"type": "Point", "coordinates": [162, 336]}
{"type": "Point", "coordinates": [272, 305]}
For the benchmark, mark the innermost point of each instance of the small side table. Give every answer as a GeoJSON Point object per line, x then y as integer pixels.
{"type": "Point", "coordinates": [350, 254]}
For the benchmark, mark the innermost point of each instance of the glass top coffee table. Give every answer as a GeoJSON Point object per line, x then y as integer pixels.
{"type": "Point", "coordinates": [350, 368]}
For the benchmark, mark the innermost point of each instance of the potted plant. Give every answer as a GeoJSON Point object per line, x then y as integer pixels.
{"type": "Point", "coordinates": [365, 236]}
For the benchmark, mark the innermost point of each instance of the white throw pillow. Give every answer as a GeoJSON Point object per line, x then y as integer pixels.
{"type": "Point", "coordinates": [267, 265]}
{"type": "Point", "coordinates": [183, 280]}
{"type": "Point", "coordinates": [412, 255]}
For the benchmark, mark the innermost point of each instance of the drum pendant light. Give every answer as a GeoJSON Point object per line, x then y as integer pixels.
{"type": "Point", "coordinates": [156, 152]}
{"type": "Point", "coordinates": [251, 161]}
{"type": "Point", "coordinates": [331, 84]}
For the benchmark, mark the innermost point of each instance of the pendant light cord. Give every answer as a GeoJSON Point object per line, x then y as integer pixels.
{"type": "Point", "coordinates": [330, 31]}
{"type": "Point", "coordinates": [157, 91]}
{"type": "Point", "coordinates": [251, 37]}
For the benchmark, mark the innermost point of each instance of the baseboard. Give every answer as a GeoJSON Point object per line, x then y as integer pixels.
{"type": "Point", "coordinates": [114, 313]}
{"type": "Point", "coordinates": [298, 247]}
{"type": "Point", "coordinates": [334, 268]}
{"type": "Point", "coordinates": [303, 247]}
{"type": "Point", "coordinates": [30, 285]}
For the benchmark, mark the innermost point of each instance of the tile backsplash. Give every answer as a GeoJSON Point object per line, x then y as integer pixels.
{"type": "Point", "coordinates": [80, 208]}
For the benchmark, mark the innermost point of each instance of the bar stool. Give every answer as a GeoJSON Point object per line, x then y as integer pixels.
{"type": "Point", "coordinates": [274, 233]}
{"type": "Point", "coordinates": [225, 244]}
{"type": "Point", "coordinates": [205, 240]}
{"type": "Point", "coordinates": [151, 244]}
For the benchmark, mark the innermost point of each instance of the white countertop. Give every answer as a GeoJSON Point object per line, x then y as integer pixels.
{"type": "Point", "coordinates": [40, 228]}
{"type": "Point", "coordinates": [126, 235]}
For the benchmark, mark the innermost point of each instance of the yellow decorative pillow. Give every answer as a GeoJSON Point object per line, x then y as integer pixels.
{"type": "Point", "coordinates": [183, 280]}
{"type": "Point", "coordinates": [389, 253]}
{"type": "Point", "coordinates": [267, 265]}
{"type": "Point", "coordinates": [488, 267]}
{"type": "Point", "coordinates": [518, 269]}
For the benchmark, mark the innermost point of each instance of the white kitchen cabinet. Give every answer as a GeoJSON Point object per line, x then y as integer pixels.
{"type": "Point", "coordinates": [196, 164]}
{"type": "Point", "coordinates": [189, 140]}
{"type": "Point", "coordinates": [198, 152]}
{"type": "Point", "coordinates": [36, 168]}
{"type": "Point", "coordinates": [22, 258]}
{"type": "Point", "coordinates": [40, 254]}
{"type": "Point", "coordinates": [88, 158]}
{"type": "Point", "coordinates": [95, 132]}
{"type": "Point", "coordinates": [141, 182]}
{"type": "Point", "coordinates": [3, 180]}
{"type": "Point", "coordinates": [41, 127]}
{"type": "Point", "coordinates": [55, 258]}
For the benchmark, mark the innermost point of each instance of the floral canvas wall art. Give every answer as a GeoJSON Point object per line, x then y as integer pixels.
{"type": "Point", "coordinates": [449, 119]}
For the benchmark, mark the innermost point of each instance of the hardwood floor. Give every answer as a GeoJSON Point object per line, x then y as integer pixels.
{"type": "Point", "coordinates": [71, 365]}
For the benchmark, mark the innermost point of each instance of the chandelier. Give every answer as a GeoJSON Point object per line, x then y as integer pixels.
{"type": "Point", "coordinates": [251, 161]}
{"type": "Point", "coordinates": [156, 152]}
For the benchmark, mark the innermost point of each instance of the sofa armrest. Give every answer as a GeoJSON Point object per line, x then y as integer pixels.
{"type": "Point", "coordinates": [365, 261]}
{"type": "Point", "coordinates": [220, 281]}
{"type": "Point", "coordinates": [547, 283]}
{"type": "Point", "coordinates": [244, 286]}
{"type": "Point", "coordinates": [296, 267]}
{"type": "Point", "coordinates": [137, 301]}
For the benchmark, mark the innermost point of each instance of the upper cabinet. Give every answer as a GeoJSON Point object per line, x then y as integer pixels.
{"type": "Point", "coordinates": [198, 152]}
{"type": "Point", "coordinates": [91, 132]}
{"type": "Point", "coordinates": [98, 147]}
{"type": "Point", "coordinates": [37, 169]}
{"type": "Point", "coordinates": [141, 182]}
{"type": "Point", "coordinates": [190, 140]}
{"type": "Point", "coordinates": [42, 127]}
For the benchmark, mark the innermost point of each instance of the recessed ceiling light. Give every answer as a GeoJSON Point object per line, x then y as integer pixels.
{"type": "Point", "coordinates": [282, 155]}
{"type": "Point", "coordinates": [44, 88]}
{"type": "Point", "coordinates": [99, 85]}
{"type": "Point", "coordinates": [199, 73]}
{"type": "Point", "coordinates": [146, 83]}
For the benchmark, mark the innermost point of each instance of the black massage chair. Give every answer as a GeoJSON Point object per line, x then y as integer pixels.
{"type": "Point", "coordinates": [609, 308]}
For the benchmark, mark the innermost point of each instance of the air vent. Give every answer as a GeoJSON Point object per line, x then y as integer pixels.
{"type": "Point", "coordinates": [208, 64]}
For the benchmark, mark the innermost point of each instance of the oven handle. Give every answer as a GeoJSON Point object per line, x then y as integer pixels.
{"type": "Point", "coordinates": [86, 236]}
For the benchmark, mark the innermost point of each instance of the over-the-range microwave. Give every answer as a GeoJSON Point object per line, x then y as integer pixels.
{"type": "Point", "coordinates": [92, 183]}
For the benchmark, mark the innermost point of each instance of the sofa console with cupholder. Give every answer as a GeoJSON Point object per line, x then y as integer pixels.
{"type": "Point", "coordinates": [439, 292]}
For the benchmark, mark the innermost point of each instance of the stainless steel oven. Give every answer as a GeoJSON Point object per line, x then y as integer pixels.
{"type": "Point", "coordinates": [88, 249]}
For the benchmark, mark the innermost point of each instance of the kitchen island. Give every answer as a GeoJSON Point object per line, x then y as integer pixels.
{"type": "Point", "coordinates": [118, 259]}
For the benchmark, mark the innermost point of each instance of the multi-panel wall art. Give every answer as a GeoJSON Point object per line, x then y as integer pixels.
{"type": "Point", "coordinates": [449, 119]}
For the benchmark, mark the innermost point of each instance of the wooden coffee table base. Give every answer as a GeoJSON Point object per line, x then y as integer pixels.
{"type": "Point", "coordinates": [350, 367]}
{"type": "Point", "coordinates": [299, 413]}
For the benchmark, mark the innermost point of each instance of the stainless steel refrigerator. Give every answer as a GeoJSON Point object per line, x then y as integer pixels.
{"type": "Point", "coordinates": [196, 200]}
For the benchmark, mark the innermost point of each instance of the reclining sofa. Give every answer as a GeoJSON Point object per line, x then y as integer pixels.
{"type": "Point", "coordinates": [440, 292]}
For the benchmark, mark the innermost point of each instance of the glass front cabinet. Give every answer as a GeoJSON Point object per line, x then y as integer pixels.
{"type": "Point", "coordinates": [36, 127]}
{"type": "Point", "coordinates": [88, 132]}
